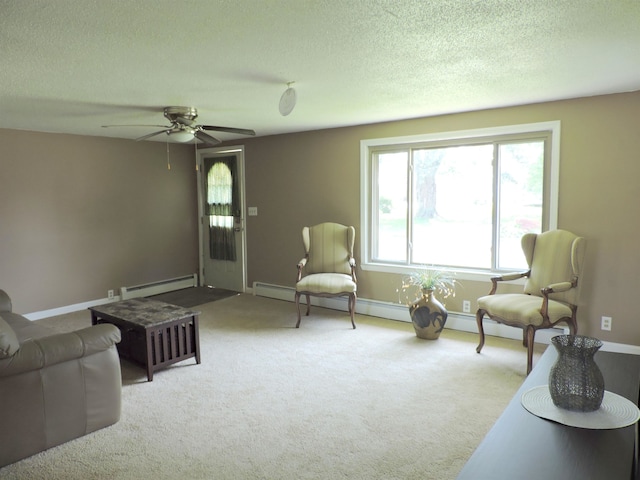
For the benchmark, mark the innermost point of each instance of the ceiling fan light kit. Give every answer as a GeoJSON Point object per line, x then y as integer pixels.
{"type": "Point", "coordinates": [183, 136]}
{"type": "Point", "coordinates": [288, 100]}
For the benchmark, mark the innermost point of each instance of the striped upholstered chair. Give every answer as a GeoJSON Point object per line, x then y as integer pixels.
{"type": "Point", "coordinates": [328, 266]}
{"type": "Point", "coordinates": [551, 292]}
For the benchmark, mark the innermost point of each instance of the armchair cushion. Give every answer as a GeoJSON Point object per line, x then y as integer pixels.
{"type": "Point", "coordinates": [521, 308]}
{"type": "Point", "coordinates": [9, 343]}
{"type": "Point", "coordinates": [328, 283]}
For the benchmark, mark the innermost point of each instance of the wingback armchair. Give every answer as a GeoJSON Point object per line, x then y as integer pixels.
{"type": "Point", "coordinates": [328, 268]}
{"type": "Point", "coordinates": [555, 259]}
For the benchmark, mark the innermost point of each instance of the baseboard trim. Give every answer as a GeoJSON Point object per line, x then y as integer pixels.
{"type": "Point", "coordinates": [69, 308]}
{"type": "Point", "coordinates": [464, 322]}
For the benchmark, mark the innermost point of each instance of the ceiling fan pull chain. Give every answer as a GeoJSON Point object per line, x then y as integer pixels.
{"type": "Point", "coordinates": [168, 161]}
{"type": "Point", "coordinates": [195, 152]}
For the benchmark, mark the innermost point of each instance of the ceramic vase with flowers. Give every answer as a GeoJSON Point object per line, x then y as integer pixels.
{"type": "Point", "coordinates": [428, 315]}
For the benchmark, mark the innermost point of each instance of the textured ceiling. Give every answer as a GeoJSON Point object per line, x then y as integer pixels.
{"type": "Point", "coordinates": [73, 65]}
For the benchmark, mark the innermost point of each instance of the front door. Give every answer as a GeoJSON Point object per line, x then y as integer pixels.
{"type": "Point", "coordinates": [222, 238]}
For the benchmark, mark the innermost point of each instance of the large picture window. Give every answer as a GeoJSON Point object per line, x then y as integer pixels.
{"type": "Point", "coordinates": [459, 200]}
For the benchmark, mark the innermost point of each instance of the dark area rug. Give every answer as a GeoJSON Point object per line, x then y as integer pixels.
{"type": "Point", "coordinates": [191, 297]}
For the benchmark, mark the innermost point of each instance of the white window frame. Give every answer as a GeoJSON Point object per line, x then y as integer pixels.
{"type": "Point", "coordinates": [366, 263]}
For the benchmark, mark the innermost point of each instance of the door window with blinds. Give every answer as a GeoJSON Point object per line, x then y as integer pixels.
{"type": "Point", "coordinates": [221, 205]}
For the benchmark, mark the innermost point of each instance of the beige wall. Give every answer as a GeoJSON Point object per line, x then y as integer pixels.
{"type": "Point", "coordinates": [81, 215]}
{"type": "Point", "coordinates": [306, 178]}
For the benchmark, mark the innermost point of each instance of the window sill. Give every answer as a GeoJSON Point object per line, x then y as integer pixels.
{"type": "Point", "coordinates": [460, 273]}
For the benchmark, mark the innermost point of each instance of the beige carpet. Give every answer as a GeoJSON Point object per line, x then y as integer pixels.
{"type": "Point", "coordinates": [273, 402]}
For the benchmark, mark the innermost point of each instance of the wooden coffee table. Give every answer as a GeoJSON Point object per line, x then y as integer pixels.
{"type": "Point", "coordinates": [154, 334]}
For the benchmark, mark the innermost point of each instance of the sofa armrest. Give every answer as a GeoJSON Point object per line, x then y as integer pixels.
{"type": "Point", "coordinates": [54, 349]}
{"type": "Point", "coordinates": [5, 302]}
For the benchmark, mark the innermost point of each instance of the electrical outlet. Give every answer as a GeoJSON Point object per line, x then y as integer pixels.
{"type": "Point", "coordinates": [110, 294]}
{"type": "Point", "coordinates": [606, 323]}
{"type": "Point", "coordinates": [466, 306]}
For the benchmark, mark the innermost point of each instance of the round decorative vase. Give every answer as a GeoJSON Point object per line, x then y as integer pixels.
{"type": "Point", "coordinates": [428, 316]}
{"type": "Point", "coordinates": [575, 381]}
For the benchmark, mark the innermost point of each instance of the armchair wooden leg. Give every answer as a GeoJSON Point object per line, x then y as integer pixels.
{"type": "Point", "coordinates": [352, 308]}
{"type": "Point", "coordinates": [530, 335]}
{"type": "Point", "coordinates": [308, 305]}
{"type": "Point", "coordinates": [298, 307]}
{"type": "Point", "coordinates": [479, 315]}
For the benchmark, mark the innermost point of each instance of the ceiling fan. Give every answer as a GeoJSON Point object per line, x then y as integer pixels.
{"type": "Point", "coordinates": [183, 128]}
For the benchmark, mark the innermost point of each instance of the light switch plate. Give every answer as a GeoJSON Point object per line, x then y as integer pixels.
{"type": "Point", "coordinates": [253, 211]}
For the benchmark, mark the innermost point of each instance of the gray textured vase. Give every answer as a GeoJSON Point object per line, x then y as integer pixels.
{"type": "Point", "coordinates": [428, 316]}
{"type": "Point", "coordinates": [575, 381]}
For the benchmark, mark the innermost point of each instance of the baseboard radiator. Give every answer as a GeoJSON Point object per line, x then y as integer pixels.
{"type": "Point", "coordinates": [156, 288]}
{"type": "Point", "coordinates": [465, 322]}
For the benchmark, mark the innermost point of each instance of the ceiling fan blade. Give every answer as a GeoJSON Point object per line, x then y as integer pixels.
{"type": "Point", "coordinates": [152, 135]}
{"type": "Point", "coordinates": [136, 125]}
{"type": "Point", "coordinates": [241, 131]}
{"type": "Point", "coordinates": [206, 138]}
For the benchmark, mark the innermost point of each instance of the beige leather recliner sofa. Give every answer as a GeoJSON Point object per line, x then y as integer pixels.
{"type": "Point", "coordinates": [54, 387]}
